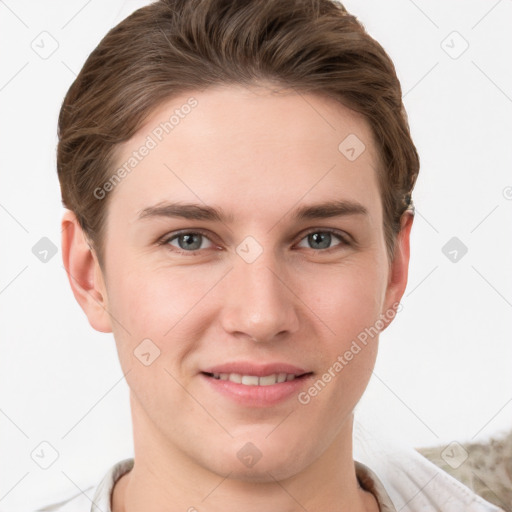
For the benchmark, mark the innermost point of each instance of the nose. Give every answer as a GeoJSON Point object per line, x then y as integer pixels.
{"type": "Point", "coordinates": [259, 303]}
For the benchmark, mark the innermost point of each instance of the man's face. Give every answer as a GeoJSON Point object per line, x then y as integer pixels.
{"type": "Point", "coordinates": [258, 292]}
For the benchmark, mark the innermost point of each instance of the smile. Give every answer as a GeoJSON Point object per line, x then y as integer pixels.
{"type": "Point", "coordinates": [270, 386]}
{"type": "Point", "coordinates": [254, 380]}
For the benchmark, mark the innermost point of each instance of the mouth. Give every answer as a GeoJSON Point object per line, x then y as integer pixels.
{"type": "Point", "coordinates": [252, 385]}
{"type": "Point", "coordinates": [255, 380]}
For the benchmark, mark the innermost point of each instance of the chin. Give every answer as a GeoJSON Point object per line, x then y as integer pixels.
{"type": "Point", "coordinates": [267, 472]}
{"type": "Point", "coordinates": [259, 461]}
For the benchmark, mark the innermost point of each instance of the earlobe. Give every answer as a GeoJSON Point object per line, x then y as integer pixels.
{"type": "Point", "coordinates": [399, 266]}
{"type": "Point", "coordinates": [84, 273]}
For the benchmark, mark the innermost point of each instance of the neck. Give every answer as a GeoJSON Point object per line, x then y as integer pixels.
{"type": "Point", "coordinates": [163, 476]}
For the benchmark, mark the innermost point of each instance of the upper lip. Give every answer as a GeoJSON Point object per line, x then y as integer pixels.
{"type": "Point", "coordinates": [258, 370]}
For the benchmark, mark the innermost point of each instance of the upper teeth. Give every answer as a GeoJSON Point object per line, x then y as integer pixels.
{"type": "Point", "coordinates": [253, 380]}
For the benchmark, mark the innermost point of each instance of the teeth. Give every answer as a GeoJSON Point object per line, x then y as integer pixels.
{"type": "Point", "coordinates": [250, 380]}
{"type": "Point", "coordinates": [253, 380]}
{"type": "Point", "coordinates": [267, 380]}
{"type": "Point", "coordinates": [235, 377]}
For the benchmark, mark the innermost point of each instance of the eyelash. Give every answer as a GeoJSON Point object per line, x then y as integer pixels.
{"type": "Point", "coordinates": [344, 240]}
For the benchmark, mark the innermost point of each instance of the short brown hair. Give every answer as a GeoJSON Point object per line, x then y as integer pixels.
{"type": "Point", "coordinates": [172, 47]}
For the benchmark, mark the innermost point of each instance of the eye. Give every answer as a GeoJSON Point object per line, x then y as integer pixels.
{"type": "Point", "coordinates": [188, 241]}
{"type": "Point", "coordinates": [193, 241]}
{"type": "Point", "coordinates": [322, 239]}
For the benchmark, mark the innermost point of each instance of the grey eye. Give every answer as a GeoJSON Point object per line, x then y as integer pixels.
{"type": "Point", "coordinates": [320, 240]}
{"type": "Point", "coordinates": [188, 241]}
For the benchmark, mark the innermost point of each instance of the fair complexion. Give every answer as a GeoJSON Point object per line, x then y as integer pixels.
{"type": "Point", "coordinates": [259, 158]}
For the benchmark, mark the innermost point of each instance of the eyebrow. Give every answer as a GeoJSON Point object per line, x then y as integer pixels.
{"type": "Point", "coordinates": [194, 211]}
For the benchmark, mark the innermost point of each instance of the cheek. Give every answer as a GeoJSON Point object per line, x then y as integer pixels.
{"type": "Point", "coordinates": [165, 305]}
{"type": "Point", "coordinates": [347, 302]}
{"type": "Point", "coordinates": [347, 299]}
{"type": "Point", "coordinates": [151, 310]}
{"type": "Point", "coordinates": [151, 301]}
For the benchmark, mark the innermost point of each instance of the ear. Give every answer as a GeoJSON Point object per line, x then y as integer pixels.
{"type": "Point", "coordinates": [398, 268]}
{"type": "Point", "coordinates": [84, 273]}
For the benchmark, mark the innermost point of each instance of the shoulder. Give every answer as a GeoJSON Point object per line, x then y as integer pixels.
{"type": "Point", "coordinates": [95, 498]}
{"type": "Point", "coordinates": [413, 483]}
{"type": "Point", "coordinates": [484, 466]}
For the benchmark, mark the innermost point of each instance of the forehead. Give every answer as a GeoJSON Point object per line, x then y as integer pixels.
{"type": "Point", "coordinates": [249, 148]}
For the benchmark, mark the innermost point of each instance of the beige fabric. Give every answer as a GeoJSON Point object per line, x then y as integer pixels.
{"type": "Point", "coordinates": [485, 467]}
{"type": "Point", "coordinates": [370, 482]}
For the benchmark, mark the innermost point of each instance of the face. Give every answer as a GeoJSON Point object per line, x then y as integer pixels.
{"type": "Point", "coordinates": [246, 248]}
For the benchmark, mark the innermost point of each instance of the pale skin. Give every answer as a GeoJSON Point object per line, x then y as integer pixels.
{"type": "Point", "coordinates": [257, 156]}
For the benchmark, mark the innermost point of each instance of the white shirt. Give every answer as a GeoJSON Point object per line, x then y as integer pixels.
{"type": "Point", "coordinates": [401, 482]}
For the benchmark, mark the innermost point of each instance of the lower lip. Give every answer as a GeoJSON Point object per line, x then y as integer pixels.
{"type": "Point", "coordinates": [258, 396]}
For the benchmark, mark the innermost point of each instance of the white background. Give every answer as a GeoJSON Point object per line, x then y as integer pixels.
{"type": "Point", "coordinates": [444, 369]}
